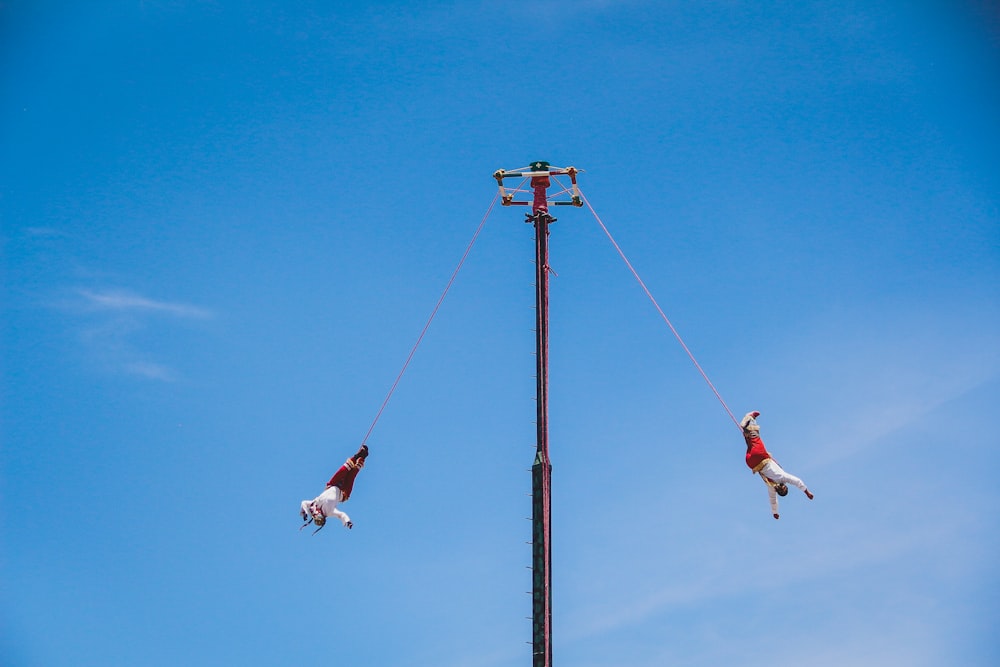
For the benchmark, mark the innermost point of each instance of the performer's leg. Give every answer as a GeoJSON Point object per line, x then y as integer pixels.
{"type": "Point", "coordinates": [775, 473]}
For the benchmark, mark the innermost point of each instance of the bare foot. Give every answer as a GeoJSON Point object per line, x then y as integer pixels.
{"type": "Point", "coordinates": [809, 495]}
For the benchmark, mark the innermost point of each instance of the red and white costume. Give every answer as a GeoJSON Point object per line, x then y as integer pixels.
{"type": "Point", "coordinates": [759, 461]}
{"type": "Point", "coordinates": [338, 490]}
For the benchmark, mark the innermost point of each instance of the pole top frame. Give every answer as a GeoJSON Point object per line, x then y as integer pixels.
{"type": "Point", "coordinates": [540, 172]}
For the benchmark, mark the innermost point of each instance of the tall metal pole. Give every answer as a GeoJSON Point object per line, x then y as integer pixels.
{"type": "Point", "coordinates": [541, 470]}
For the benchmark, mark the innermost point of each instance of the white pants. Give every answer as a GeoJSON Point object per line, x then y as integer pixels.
{"type": "Point", "coordinates": [774, 472]}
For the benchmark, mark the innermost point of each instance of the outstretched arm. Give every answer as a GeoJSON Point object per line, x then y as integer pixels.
{"type": "Point", "coordinates": [344, 519]}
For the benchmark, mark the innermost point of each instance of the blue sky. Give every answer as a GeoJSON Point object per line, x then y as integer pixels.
{"type": "Point", "coordinates": [224, 224]}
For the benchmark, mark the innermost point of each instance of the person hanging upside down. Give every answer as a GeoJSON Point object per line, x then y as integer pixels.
{"type": "Point", "coordinates": [760, 462]}
{"type": "Point", "coordinates": [338, 490]}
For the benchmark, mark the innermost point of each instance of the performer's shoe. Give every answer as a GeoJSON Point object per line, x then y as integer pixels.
{"type": "Point", "coordinates": [809, 494]}
{"type": "Point", "coordinates": [349, 525]}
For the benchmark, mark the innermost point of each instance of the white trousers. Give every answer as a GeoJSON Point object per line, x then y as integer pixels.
{"type": "Point", "coordinates": [776, 474]}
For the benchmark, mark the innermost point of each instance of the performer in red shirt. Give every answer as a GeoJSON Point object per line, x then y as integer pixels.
{"type": "Point", "coordinates": [760, 461]}
{"type": "Point", "coordinates": [338, 490]}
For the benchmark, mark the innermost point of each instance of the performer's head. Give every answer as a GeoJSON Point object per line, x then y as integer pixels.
{"type": "Point", "coordinates": [317, 515]}
{"type": "Point", "coordinates": [781, 488]}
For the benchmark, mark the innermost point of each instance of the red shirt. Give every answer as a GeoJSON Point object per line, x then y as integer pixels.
{"type": "Point", "coordinates": [756, 453]}
{"type": "Point", "coordinates": [344, 478]}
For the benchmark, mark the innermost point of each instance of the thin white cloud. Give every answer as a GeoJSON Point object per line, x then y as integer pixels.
{"type": "Point", "coordinates": [726, 578]}
{"type": "Point", "coordinates": [874, 385]}
{"type": "Point", "coordinates": [118, 300]}
{"type": "Point", "coordinates": [115, 320]}
{"type": "Point", "coordinates": [150, 370]}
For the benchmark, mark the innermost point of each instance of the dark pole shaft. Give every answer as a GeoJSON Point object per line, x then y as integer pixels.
{"type": "Point", "coordinates": [541, 470]}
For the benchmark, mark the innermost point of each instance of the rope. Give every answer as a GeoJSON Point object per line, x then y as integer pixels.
{"type": "Point", "coordinates": [660, 310]}
{"type": "Point", "coordinates": [413, 350]}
